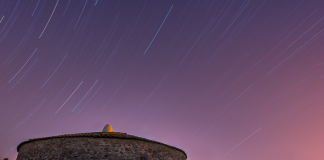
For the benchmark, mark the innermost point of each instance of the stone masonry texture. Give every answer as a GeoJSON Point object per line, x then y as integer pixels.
{"type": "Point", "coordinates": [97, 146]}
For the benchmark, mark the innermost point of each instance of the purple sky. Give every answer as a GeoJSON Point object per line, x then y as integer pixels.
{"type": "Point", "coordinates": [222, 80]}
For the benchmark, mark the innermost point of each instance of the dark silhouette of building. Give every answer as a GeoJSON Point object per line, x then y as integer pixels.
{"type": "Point", "coordinates": [106, 145]}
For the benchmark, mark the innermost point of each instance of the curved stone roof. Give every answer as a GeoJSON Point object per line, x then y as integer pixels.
{"type": "Point", "coordinates": [119, 135]}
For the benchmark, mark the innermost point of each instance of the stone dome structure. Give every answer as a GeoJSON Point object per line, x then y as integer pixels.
{"type": "Point", "coordinates": [97, 145]}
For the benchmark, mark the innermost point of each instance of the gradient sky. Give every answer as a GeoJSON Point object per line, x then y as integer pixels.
{"type": "Point", "coordinates": [222, 80]}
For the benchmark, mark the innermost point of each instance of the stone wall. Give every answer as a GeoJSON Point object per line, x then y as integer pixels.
{"type": "Point", "coordinates": [88, 148]}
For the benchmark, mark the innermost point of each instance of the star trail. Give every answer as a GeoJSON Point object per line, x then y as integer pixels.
{"type": "Point", "coordinates": [219, 79]}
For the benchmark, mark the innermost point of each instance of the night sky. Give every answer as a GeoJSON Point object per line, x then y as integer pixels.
{"type": "Point", "coordinates": [221, 80]}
